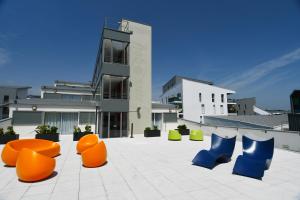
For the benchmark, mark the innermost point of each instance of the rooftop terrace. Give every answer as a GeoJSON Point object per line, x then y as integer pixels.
{"type": "Point", "coordinates": [154, 168]}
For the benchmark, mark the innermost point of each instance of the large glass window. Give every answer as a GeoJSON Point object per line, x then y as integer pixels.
{"type": "Point", "coordinates": [118, 52]}
{"type": "Point", "coordinates": [115, 87]}
{"type": "Point", "coordinates": [115, 51]}
{"type": "Point", "coordinates": [107, 50]}
{"type": "Point", "coordinates": [87, 118]}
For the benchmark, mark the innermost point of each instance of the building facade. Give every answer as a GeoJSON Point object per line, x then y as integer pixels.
{"type": "Point", "coordinates": [9, 94]}
{"type": "Point", "coordinates": [117, 98]}
{"type": "Point", "coordinates": [247, 106]}
{"type": "Point", "coordinates": [196, 98]}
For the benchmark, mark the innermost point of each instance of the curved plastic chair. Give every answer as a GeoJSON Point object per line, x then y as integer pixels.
{"type": "Point", "coordinates": [256, 158]}
{"type": "Point", "coordinates": [11, 150]}
{"type": "Point", "coordinates": [32, 166]}
{"type": "Point", "coordinates": [220, 152]}
{"type": "Point", "coordinates": [196, 135]}
{"type": "Point", "coordinates": [94, 156]}
{"type": "Point", "coordinates": [174, 135]}
{"type": "Point", "coordinates": [86, 142]}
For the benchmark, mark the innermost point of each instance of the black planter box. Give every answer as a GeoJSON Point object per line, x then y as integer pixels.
{"type": "Point", "coordinates": [8, 137]}
{"type": "Point", "coordinates": [152, 133]}
{"type": "Point", "coordinates": [77, 136]}
{"type": "Point", "coordinates": [184, 131]}
{"type": "Point", "coordinates": [48, 136]}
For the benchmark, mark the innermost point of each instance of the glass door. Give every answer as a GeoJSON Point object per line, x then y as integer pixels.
{"type": "Point", "coordinates": [115, 124]}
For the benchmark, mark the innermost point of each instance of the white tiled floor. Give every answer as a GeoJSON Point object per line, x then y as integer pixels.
{"type": "Point", "coordinates": [154, 168]}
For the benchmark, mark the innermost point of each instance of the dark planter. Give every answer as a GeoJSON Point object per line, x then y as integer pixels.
{"type": "Point", "coordinates": [152, 133]}
{"type": "Point", "coordinates": [184, 131]}
{"type": "Point", "coordinates": [48, 136]}
{"type": "Point", "coordinates": [8, 137]}
{"type": "Point", "coordinates": [77, 136]}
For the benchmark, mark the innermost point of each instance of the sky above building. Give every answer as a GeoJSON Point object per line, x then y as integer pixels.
{"type": "Point", "coordinates": [252, 47]}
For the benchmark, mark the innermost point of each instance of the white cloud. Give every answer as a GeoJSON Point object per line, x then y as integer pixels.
{"type": "Point", "coordinates": [259, 71]}
{"type": "Point", "coordinates": [4, 57]}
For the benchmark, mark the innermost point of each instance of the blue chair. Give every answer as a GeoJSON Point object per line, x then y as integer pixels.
{"type": "Point", "coordinates": [220, 152]}
{"type": "Point", "coordinates": [256, 158]}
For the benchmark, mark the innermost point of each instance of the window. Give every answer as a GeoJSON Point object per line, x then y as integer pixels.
{"type": "Point", "coordinates": [212, 97]}
{"type": "Point", "coordinates": [115, 87]}
{"type": "Point", "coordinates": [118, 52]}
{"type": "Point", "coordinates": [200, 97]}
{"type": "Point", "coordinates": [27, 118]}
{"type": "Point", "coordinates": [115, 51]}
{"type": "Point", "coordinates": [5, 112]}
{"type": "Point", "coordinates": [87, 118]}
{"type": "Point", "coordinates": [214, 108]}
{"type": "Point", "coordinates": [222, 98]}
{"type": "Point", "coordinates": [5, 99]}
{"type": "Point", "coordinates": [222, 109]}
{"type": "Point", "coordinates": [245, 106]}
{"type": "Point", "coordinates": [239, 106]}
{"type": "Point", "coordinates": [107, 50]}
{"type": "Point", "coordinates": [203, 109]}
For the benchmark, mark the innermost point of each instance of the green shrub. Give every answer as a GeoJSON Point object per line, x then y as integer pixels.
{"type": "Point", "coordinates": [1, 131]}
{"type": "Point", "coordinates": [181, 127]}
{"type": "Point", "coordinates": [76, 130]}
{"type": "Point", "coordinates": [42, 129]}
{"type": "Point", "coordinates": [155, 128]}
{"type": "Point", "coordinates": [88, 128]}
{"type": "Point", "coordinates": [147, 129]}
{"type": "Point", "coordinates": [10, 130]}
{"type": "Point", "coordinates": [53, 129]}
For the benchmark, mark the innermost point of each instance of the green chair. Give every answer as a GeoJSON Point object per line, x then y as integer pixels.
{"type": "Point", "coordinates": [196, 135]}
{"type": "Point", "coordinates": [174, 135]}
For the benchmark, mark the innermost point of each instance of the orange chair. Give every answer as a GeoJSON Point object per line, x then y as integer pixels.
{"type": "Point", "coordinates": [32, 166]}
{"type": "Point", "coordinates": [86, 142]}
{"type": "Point", "coordinates": [11, 150]}
{"type": "Point", "coordinates": [94, 156]}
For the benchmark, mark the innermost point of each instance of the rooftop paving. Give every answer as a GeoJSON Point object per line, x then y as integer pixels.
{"type": "Point", "coordinates": [154, 168]}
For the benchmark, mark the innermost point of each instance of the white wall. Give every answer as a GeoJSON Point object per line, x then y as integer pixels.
{"type": "Point", "coordinates": [140, 60]}
{"type": "Point", "coordinates": [192, 106]}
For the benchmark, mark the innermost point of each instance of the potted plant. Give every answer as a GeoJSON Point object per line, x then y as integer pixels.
{"type": "Point", "coordinates": [77, 134]}
{"type": "Point", "coordinates": [47, 133]}
{"type": "Point", "coordinates": [9, 135]}
{"type": "Point", "coordinates": [88, 129]}
{"type": "Point", "coordinates": [155, 132]}
{"type": "Point", "coordinates": [183, 130]}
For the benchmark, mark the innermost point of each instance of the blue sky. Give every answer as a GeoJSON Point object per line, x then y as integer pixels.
{"type": "Point", "coordinates": [250, 46]}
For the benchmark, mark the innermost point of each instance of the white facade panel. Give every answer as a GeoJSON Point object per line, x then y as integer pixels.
{"type": "Point", "coordinates": [194, 107]}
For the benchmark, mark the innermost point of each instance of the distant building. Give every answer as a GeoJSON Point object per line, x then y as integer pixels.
{"type": "Point", "coordinates": [9, 94]}
{"type": "Point", "coordinates": [294, 116]}
{"type": "Point", "coordinates": [247, 106]}
{"type": "Point", "coordinates": [196, 98]}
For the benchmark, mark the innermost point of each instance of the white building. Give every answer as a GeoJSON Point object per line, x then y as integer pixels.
{"type": "Point", "coordinates": [196, 98]}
